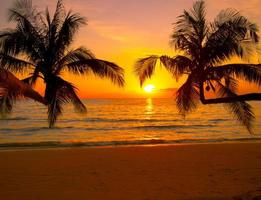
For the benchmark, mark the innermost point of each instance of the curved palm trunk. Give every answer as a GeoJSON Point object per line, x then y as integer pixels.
{"type": "Point", "coordinates": [27, 91]}
{"type": "Point", "coordinates": [245, 97]}
{"type": "Point", "coordinates": [14, 85]}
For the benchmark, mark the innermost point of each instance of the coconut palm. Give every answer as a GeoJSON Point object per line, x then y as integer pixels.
{"type": "Point", "coordinates": [204, 47]}
{"type": "Point", "coordinates": [12, 88]}
{"type": "Point", "coordinates": [40, 46]}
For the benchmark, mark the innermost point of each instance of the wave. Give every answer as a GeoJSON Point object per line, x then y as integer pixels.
{"type": "Point", "coordinates": [57, 144]}
{"type": "Point", "coordinates": [218, 120]}
{"type": "Point", "coordinates": [116, 120]}
{"type": "Point", "coordinates": [111, 120]}
{"type": "Point", "coordinates": [151, 127]}
{"type": "Point", "coordinates": [172, 127]}
{"type": "Point", "coordinates": [125, 121]}
{"type": "Point", "coordinates": [33, 130]}
{"type": "Point", "coordinates": [14, 119]}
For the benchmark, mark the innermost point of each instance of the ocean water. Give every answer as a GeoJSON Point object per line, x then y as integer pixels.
{"type": "Point", "coordinates": [123, 122]}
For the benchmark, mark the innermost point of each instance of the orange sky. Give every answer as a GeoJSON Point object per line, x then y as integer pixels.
{"type": "Point", "coordinates": [123, 30]}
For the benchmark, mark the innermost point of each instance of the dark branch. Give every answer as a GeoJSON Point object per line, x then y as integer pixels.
{"type": "Point", "coordinates": [244, 97]}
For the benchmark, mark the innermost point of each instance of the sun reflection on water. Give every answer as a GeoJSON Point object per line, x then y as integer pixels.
{"type": "Point", "coordinates": [149, 108]}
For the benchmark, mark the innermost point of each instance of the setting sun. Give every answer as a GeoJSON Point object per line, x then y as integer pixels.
{"type": "Point", "coordinates": [149, 88]}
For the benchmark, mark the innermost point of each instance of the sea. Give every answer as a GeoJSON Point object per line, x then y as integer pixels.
{"type": "Point", "coordinates": [119, 122]}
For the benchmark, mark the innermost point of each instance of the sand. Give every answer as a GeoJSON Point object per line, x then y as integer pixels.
{"type": "Point", "coordinates": [202, 172]}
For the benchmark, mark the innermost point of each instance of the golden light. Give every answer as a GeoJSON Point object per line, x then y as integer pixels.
{"type": "Point", "coordinates": [149, 88]}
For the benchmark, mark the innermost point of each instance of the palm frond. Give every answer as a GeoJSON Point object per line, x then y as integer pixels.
{"type": "Point", "coordinates": [100, 68]}
{"type": "Point", "coordinates": [3, 90]}
{"type": "Point", "coordinates": [190, 30]}
{"type": "Point", "coordinates": [54, 26]}
{"type": "Point", "coordinates": [241, 110]}
{"type": "Point", "coordinates": [187, 96]}
{"type": "Point", "coordinates": [59, 92]}
{"type": "Point", "coordinates": [12, 42]}
{"type": "Point", "coordinates": [245, 29]}
{"type": "Point", "coordinates": [48, 17]}
{"type": "Point", "coordinates": [55, 108]}
{"type": "Point", "coordinates": [58, 17]}
{"type": "Point", "coordinates": [22, 41]}
{"type": "Point", "coordinates": [145, 67]}
{"type": "Point", "coordinates": [193, 21]}
{"type": "Point", "coordinates": [62, 31]}
{"type": "Point", "coordinates": [14, 64]}
{"type": "Point", "coordinates": [247, 72]}
{"type": "Point", "coordinates": [75, 55]}
{"type": "Point", "coordinates": [228, 88]}
{"type": "Point", "coordinates": [31, 80]}
{"type": "Point", "coordinates": [71, 92]}
{"type": "Point", "coordinates": [20, 8]}
{"type": "Point", "coordinates": [27, 18]}
{"type": "Point", "coordinates": [70, 26]}
{"type": "Point", "coordinates": [199, 22]}
{"type": "Point", "coordinates": [184, 43]}
{"type": "Point", "coordinates": [6, 105]}
{"type": "Point", "coordinates": [7, 98]}
{"type": "Point", "coordinates": [177, 66]}
{"type": "Point", "coordinates": [232, 34]}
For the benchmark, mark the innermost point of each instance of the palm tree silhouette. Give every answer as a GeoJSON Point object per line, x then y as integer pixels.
{"type": "Point", "coordinates": [204, 47]}
{"type": "Point", "coordinates": [40, 45]}
{"type": "Point", "coordinates": [12, 88]}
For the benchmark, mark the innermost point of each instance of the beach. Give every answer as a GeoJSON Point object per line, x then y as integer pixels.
{"type": "Point", "coordinates": [187, 171]}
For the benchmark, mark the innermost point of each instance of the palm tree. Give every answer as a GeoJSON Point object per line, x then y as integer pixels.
{"type": "Point", "coordinates": [40, 46]}
{"type": "Point", "coordinates": [204, 47]}
{"type": "Point", "coordinates": [12, 88]}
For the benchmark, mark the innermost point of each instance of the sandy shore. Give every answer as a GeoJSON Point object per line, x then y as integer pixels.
{"type": "Point", "coordinates": [202, 172]}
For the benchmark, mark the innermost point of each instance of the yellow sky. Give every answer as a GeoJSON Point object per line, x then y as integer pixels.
{"type": "Point", "coordinates": [123, 30]}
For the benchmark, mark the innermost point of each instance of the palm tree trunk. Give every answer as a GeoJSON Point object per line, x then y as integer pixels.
{"type": "Point", "coordinates": [245, 97]}
{"type": "Point", "coordinates": [14, 85]}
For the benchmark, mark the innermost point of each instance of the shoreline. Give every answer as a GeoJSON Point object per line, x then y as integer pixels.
{"type": "Point", "coordinates": [112, 144]}
{"type": "Point", "coordinates": [148, 143]}
{"type": "Point", "coordinates": [217, 171]}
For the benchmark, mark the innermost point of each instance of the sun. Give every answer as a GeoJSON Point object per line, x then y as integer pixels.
{"type": "Point", "coordinates": [149, 88]}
